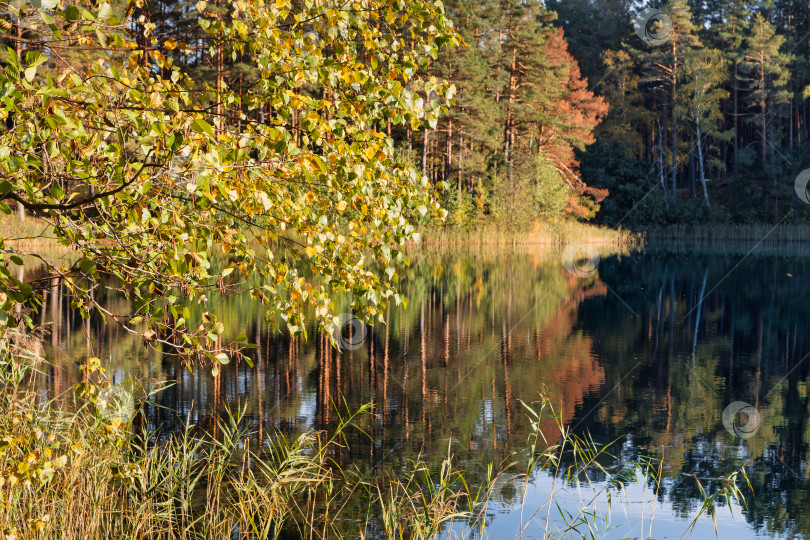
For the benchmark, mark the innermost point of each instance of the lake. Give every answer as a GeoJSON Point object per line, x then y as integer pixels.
{"type": "Point", "coordinates": [644, 356]}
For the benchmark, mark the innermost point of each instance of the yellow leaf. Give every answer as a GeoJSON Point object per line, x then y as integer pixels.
{"type": "Point", "coordinates": [311, 251]}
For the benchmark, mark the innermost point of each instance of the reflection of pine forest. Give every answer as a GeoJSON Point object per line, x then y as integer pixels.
{"type": "Point", "coordinates": [449, 365]}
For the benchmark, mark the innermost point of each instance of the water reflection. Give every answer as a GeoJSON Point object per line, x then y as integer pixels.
{"type": "Point", "coordinates": [652, 349]}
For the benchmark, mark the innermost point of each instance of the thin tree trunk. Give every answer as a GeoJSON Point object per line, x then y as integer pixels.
{"type": "Point", "coordinates": [220, 68]}
{"type": "Point", "coordinates": [674, 122]}
{"type": "Point", "coordinates": [736, 136]}
{"type": "Point", "coordinates": [18, 51]}
{"type": "Point", "coordinates": [424, 150]}
{"type": "Point", "coordinates": [764, 132]}
{"type": "Point", "coordinates": [700, 162]}
{"type": "Point", "coordinates": [661, 166]}
{"type": "Point", "coordinates": [692, 186]}
{"type": "Point", "coordinates": [449, 154]}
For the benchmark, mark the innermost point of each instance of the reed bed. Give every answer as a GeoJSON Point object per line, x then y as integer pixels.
{"type": "Point", "coordinates": [33, 241]}
{"type": "Point", "coordinates": [772, 234]}
{"type": "Point", "coordinates": [91, 473]}
{"type": "Point", "coordinates": [30, 230]}
{"type": "Point", "coordinates": [558, 234]}
{"type": "Point", "coordinates": [766, 240]}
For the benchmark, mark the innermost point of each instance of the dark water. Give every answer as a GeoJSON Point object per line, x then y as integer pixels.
{"type": "Point", "coordinates": [649, 351]}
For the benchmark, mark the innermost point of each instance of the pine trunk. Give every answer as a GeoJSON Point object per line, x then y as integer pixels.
{"type": "Point", "coordinates": [674, 171]}
{"type": "Point", "coordinates": [700, 162]}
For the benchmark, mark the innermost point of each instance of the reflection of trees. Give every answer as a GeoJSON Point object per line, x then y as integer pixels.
{"type": "Point", "coordinates": [484, 330]}
{"type": "Point", "coordinates": [479, 334]}
{"type": "Point", "coordinates": [747, 339]}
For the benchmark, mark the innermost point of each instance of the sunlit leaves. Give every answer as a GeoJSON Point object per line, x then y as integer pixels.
{"type": "Point", "coordinates": [147, 172]}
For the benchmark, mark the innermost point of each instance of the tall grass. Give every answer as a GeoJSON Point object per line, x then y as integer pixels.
{"type": "Point", "coordinates": [94, 472]}
{"type": "Point", "coordinates": [32, 229]}
{"type": "Point", "coordinates": [90, 473]}
{"type": "Point", "coordinates": [580, 466]}
{"type": "Point", "coordinates": [733, 233]}
{"type": "Point", "coordinates": [541, 234]}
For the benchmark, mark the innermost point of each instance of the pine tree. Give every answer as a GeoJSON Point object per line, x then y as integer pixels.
{"type": "Point", "coordinates": [705, 73]}
{"type": "Point", "coordinates": [592, 27]}
{"type": "Point", "coordinates": [731, 28]}
{"type": "Point", "coordinates": [765, 70]}
{"type": "Point", "coordinates": [629, 119]}
{"type": "Point", "coordinates": [570, 125]}
{"type": "Point", "coordinates": [667, 63]}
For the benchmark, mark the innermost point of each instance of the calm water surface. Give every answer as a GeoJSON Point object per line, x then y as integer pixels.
{"type": "Point", "coordinates": [649, 351]}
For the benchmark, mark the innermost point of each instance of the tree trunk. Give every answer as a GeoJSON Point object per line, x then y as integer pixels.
{"type": "Point", "coordinates": [449, 148]}
{"type": "Point", "coordinates": [509, 126]}
{"type": "Point", "coordinates": [674, 122]}
{"type": "Point", "coordinates": [700, 162]}
{"type": "Point", "coordinates": [220, 68]}
{"type": "Point", "coordinates": [764, 134]}
{"type": "Point", "coordinates": [736, 136]}
{"type": "Point", "coordinates": [18, 51]}
{"type": "Point", "coordinates": [661, 166]}
{"type": "Point", "coordinates": [790, 123]}
{"type": "Point", "coordinates": [692, 187]}
{"type": "Point", "coordinates": [424, 150]}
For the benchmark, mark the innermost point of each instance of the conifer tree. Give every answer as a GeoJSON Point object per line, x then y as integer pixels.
{"type": "Point", "coordinates": [765, 71]}
{"type": "Point", "coordinates": [667, 65]}
{"type": "Point", "coordinates": [705, 73]}
{"type": "Point", "coordinates": [731, 28]}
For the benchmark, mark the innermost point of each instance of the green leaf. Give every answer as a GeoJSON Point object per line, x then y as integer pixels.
{"type": "Point", "coordinates": [102, 39]}
{"type": "Point", "coordinates": [222, 358]}
{"type": "Point", "coordinates": [201, 126]}
{"type": "Point", "coordinates": [104, 12]}
{"type": "Point", "coordinates": [72, 13]}
{"type": "Point", "coordinates": [34, 58]}
{"type": "Point", "coordinates": [175, 141]}
{"type": "Point", "coordinates": [87, 266]}
{"type": "Point", "coordinates": [320, 162]}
